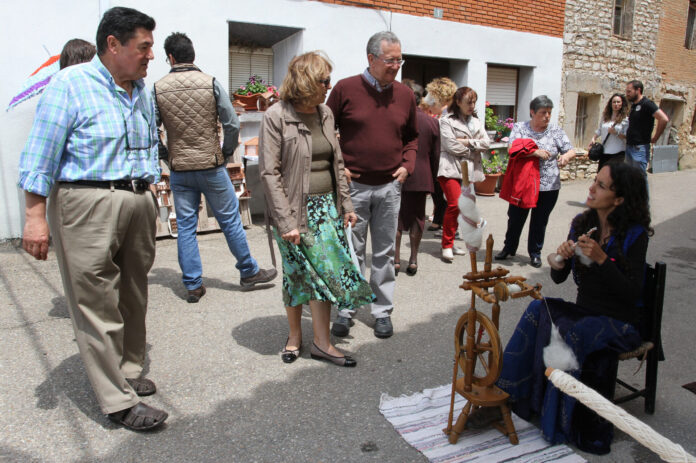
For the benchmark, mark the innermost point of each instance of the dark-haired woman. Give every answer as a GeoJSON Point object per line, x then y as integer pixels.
{"type": "Point", "coordinates": [462, 137]}
{"type": "Point", "coordinates": [604, 319]}
{"type": "Point", "coordinates": [303, 177]}
{"type": "Point", "coordinates": [613, 129]}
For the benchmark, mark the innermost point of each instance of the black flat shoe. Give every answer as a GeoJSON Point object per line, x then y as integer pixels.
{"type": "Point", "coordinates": [412, 269]}
{"type": "Point", "coordinates": [535, 261]}
{"type": "Point", "coordinates": [289, 356]}
{"type": "Point", "coordinates": [502, 255]}
{"type": "Point", "coordinates": [318, 354]}
{"type": "Point", "coordinates": [397, 267]}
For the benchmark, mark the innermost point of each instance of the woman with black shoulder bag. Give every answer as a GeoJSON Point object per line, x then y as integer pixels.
{"type": "Point", "coordinates": [612, 131]}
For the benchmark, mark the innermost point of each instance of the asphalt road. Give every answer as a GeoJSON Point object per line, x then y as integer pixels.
{"type": "Point", "coordinates": [229, 396]}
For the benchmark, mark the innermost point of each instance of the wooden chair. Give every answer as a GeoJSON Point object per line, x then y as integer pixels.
{"type": "Point", "coordinates": [651, 349]}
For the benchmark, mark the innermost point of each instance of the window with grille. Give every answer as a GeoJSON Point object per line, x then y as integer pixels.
{"type": "Point", "coordinates": [690, 41]}
{"type": "Point", "coordinates": [581, 120]}
{"type": "Point", "coordinates": [245, 62]}
{"type": "Point", "coordinates": [623, 18]}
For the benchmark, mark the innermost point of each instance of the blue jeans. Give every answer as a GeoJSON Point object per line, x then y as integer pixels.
{"type": "Point", "coordinates": [638, 155]}
{"type": "Point", "coordinates": [217, 187]}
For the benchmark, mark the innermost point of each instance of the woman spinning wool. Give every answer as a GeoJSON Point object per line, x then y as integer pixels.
{"type": "Point", "coordinates": [604, 319]}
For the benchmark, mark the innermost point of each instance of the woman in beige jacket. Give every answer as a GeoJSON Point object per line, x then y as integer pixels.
{"type": "Point", "coordinates": [462, 137]}
{"type": "Point", "coordinates": [303, 177]}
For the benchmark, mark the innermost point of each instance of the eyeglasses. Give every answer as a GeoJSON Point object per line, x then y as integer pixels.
{"type": "Point", "coordinates": [326, 82]}
{"type": "Point", "coordinates": [129, 147]}
{"type": "Point", "coordinates": [149, 136]}
{"type": "Point", "coordinates": [391, 61]}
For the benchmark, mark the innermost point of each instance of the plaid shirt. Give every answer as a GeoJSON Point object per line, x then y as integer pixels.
{"type": "Point", "coordinates": [83, 129]}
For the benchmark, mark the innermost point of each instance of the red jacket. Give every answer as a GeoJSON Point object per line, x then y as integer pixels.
{"type": "Point", "coordinates": [521, 185]}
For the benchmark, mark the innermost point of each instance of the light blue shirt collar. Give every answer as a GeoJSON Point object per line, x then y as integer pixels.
{"type": "Point", "coordinates": [372, 81]}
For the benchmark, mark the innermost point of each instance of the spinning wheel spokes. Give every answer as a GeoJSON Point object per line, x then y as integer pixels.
{"type": "Point", "coordinates": [487, 343]}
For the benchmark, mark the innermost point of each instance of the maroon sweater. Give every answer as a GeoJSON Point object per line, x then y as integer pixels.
{"type": "Point", "coordinates": [379, 132]}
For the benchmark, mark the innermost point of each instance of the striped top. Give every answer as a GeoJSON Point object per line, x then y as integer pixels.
{"type": "Point", "coordinates": [88, 128]}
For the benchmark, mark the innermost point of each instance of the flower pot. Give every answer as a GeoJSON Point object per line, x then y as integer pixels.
{"type": "Point", "coordinates": [250, 102]}
{"type": "Point", "coordinates": [487, 187]}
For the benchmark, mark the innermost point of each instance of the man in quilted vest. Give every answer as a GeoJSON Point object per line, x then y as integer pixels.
{"type": "Point", "coordinates": [189, 104]}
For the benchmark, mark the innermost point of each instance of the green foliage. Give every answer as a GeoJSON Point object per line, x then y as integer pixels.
{"type": "Point", "coordinates": [496, 164]}
{"type": "Point", "coordinates": [255, 84]}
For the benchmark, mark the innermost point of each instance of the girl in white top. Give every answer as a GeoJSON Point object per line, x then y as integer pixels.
{"type": "Point", "coordinates": [614, 123]}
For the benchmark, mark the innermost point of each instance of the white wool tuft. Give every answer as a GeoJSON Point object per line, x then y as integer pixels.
{"type": "Point", "coordinates": [558, 354]}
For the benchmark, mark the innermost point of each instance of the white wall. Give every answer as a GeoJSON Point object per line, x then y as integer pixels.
{"type": "Point", "coordinates": [342, 32]}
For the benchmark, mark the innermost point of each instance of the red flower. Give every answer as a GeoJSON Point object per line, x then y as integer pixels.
{"type": "Point", "coordinates": [493, 152]}
{"type": "Point", "coordinates": [488, 104]}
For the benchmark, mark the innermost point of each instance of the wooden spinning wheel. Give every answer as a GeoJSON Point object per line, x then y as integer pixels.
{"type": "Point", "coordinates": [477, 349]}
{"type": "Point", "coordinates": [488, 355]}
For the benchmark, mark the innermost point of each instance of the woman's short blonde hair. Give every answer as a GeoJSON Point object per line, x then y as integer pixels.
{"type": "Point", "coordinates": [301, 84]}
{"type": "Point", "coordinates": [442, 90]}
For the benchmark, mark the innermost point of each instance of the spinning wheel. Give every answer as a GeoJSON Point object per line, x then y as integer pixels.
{"type": "Point", "coordinates": [477, 349]}
{"type": "Point", "coordinates": [488, 355]}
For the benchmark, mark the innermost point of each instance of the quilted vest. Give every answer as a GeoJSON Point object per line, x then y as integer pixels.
{"type": "Point", "coordinates": [188, 109]}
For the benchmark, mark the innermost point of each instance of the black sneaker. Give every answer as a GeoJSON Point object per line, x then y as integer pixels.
{"type": "Point", "coordinates": [262, 276]}
{"type": "Point", "coordinates": [341, 326]}
{"type": "Point", "coordinates": [383, 327]}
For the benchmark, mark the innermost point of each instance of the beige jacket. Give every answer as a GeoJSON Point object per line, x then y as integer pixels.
{"type": "Point", "coordinates": [285, 157]}
{"type": "Point", "coordinates": [188, 109]}
{"type": "Point", "coordinates": [453, 152]}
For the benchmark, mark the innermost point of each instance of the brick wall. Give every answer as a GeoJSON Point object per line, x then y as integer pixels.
{"type": "Point", "coordinates": [674, 60]}
{"type": "Point", "coordinates": [536, 16]}
{"type": "Point", "coordinates": [677, 66]}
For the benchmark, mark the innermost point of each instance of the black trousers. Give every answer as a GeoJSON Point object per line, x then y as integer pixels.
{"type": "Point", "coordinates": [517, 216]}
{"type": "Point", "coordinates": [439, 204]}
{"type": "Point", "coordinates": [605, 158]}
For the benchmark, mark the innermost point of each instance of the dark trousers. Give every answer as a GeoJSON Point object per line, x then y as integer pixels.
{"type": "Point", "coordinates": [517, 216]}
{"type": "Point", "coordinates": [605, 158]}
{"type": "Point", "coordinates": [439, 203]}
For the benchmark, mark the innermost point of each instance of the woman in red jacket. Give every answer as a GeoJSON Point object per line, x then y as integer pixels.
{"type": "Point", "coordinates": [555, 151]}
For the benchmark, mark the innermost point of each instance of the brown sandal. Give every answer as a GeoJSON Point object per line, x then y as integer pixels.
{"type": "Point", "coordinates": [140, 417]}
{"type": "Point", "coordinates": [142, 386]}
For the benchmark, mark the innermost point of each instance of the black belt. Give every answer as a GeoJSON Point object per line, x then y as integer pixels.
{"type": "Point", "coordinates": [136, 186]}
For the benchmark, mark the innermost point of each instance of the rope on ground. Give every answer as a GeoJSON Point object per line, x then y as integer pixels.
{"type": "Point", "coordinates": [663, 447]}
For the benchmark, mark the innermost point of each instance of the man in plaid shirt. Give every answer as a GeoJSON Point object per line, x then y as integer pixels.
{"type": "Point", "coordinates": [93, 150]}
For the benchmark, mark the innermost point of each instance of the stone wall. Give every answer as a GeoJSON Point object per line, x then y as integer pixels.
{"type": "Point", "coordinates": [579, 168]}
{"type": "Point", "coordinates": [597, 63]}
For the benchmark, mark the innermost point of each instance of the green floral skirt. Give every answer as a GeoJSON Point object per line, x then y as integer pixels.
{"type": "Point", "coordinates": [320, 267]}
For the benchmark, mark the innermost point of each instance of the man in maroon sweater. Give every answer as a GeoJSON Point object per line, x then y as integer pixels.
{"type": "Point", "coordinates": [376, 118]}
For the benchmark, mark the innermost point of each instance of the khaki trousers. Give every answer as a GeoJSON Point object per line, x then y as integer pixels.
{"type": "Point", "coordinates": [105, 244]}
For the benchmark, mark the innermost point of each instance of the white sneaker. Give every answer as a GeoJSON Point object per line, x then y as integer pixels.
{"type": "Point", "coordinates": [458, 251]}
{"type": "Point", "coordinates": [447, 254]}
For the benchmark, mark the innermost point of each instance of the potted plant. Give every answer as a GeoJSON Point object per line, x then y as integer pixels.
{"type": "Point", "coordinates": [490, 122]}
{"type": "Point", "coordinates": [250, 93]}
{"type": "Point", "coordinates": [497, 129]}
{"type": "Point", "coordinates": [493, 168]}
